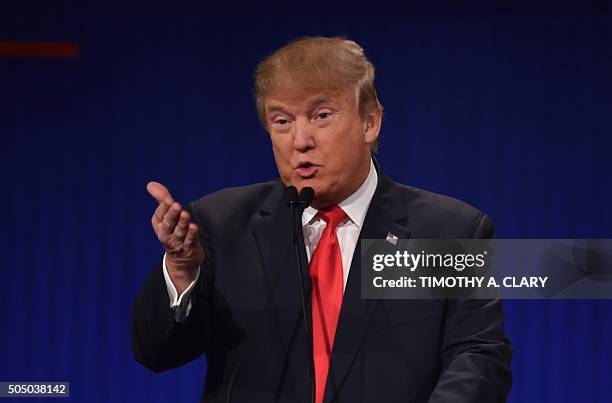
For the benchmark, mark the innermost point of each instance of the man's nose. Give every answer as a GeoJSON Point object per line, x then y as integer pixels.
{"type": "Point", "coordinates": [303, 140]}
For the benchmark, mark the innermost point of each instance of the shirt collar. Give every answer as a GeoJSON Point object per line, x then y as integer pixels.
{"type": "Point", "coordinates": [356, 205]}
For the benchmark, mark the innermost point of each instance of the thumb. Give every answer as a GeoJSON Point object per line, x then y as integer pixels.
{"type": "Point", "coordinates": [159, 193]}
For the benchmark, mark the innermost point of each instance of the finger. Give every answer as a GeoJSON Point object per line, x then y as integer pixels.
{"type": "Point", "coordinates": [192, 235]}
{"type": "Point", "coordinates": [180, 231]}
{"type": "Point", "coordinates": [171, 218]}
{"type": "Point", "coordinates": [160, 212]}
{"type": "Point", "coordinates": [159, 193]}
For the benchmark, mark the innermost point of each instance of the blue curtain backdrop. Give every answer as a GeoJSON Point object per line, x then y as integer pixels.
{"type": "Point", "coordinates": [507, 108]}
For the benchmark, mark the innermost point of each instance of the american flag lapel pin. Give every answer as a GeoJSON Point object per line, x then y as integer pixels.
{"type": "Point", "coordinates": [392, 238]}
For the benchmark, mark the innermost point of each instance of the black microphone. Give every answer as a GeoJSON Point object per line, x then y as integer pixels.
{"type": "Point", "coordinates": [290, 195]}
{"type": "Point", "coordinates": [297, 203]}
{"type": "Point", "coordinates": [305, 197]}
{"type": "Point", "coordinates": [297, 209]}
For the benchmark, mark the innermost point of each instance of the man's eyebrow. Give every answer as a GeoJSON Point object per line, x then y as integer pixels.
{"type": "Point", "coordinates": [310, 106]}
{"type": "Point", "coordinates": [276, 108]}
{"type": "Point", "coordinates": [318, 102]}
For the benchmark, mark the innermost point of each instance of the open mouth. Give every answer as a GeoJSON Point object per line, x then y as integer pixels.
{"type": "Point", "coordinates": [306, 169]}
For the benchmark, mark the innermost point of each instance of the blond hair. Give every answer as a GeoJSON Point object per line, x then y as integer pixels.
{"type": "Point", "coordinates": [318, 63]}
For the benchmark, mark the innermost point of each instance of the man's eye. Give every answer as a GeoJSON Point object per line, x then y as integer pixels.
{"type": "Point", "coordinates": [323, 115]}
{"type": "Point", "coordinates": [281, 121]}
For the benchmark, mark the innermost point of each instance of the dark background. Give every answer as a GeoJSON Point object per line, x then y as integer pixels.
{"type": "Point", "coordinates": [506, 105]}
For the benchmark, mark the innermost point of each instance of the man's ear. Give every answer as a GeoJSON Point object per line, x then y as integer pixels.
{"type": "Point", "coordinates": [371, 126]}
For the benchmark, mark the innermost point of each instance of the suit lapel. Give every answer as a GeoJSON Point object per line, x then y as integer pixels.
{"type": "Point", "coordinates": [272, 232]}
{"type": "Point", "coordinates": [385, 215]}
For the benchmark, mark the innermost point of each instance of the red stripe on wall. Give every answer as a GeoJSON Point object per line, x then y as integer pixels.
{"type": "Point", "coordinates": [39, 50]}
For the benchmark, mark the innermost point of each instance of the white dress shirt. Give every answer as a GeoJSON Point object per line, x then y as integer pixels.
{"type": "Point", "coordinates": [355, 207]}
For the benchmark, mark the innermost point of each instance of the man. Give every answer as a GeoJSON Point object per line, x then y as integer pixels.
{"type": "Point", "coordinates": [229, 262]}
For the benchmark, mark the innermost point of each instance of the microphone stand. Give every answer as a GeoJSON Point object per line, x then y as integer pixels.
{"type": "Point", "coordinates": [297, 209]}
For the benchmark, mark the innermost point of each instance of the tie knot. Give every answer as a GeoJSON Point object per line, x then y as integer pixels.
{"type": "Point", "coordinates": [332, 216]}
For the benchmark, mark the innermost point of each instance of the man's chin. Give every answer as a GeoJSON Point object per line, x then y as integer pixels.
{"type": "Point", "coordinates": [321, 199]}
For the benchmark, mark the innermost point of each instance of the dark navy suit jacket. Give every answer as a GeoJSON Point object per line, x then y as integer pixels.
{"type": "Point", "coordinates": [409, 351]}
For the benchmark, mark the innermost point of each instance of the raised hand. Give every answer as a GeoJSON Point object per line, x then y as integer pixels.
{"type": "Point", "coordinates": [178, 235]}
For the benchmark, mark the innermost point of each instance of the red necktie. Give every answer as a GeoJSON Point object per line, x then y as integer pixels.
{"type": "Point", "coordinates": [327, 286]}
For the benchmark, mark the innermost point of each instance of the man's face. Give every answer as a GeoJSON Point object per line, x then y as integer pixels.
{"type": "Point", "coordinates": [320, 140]}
